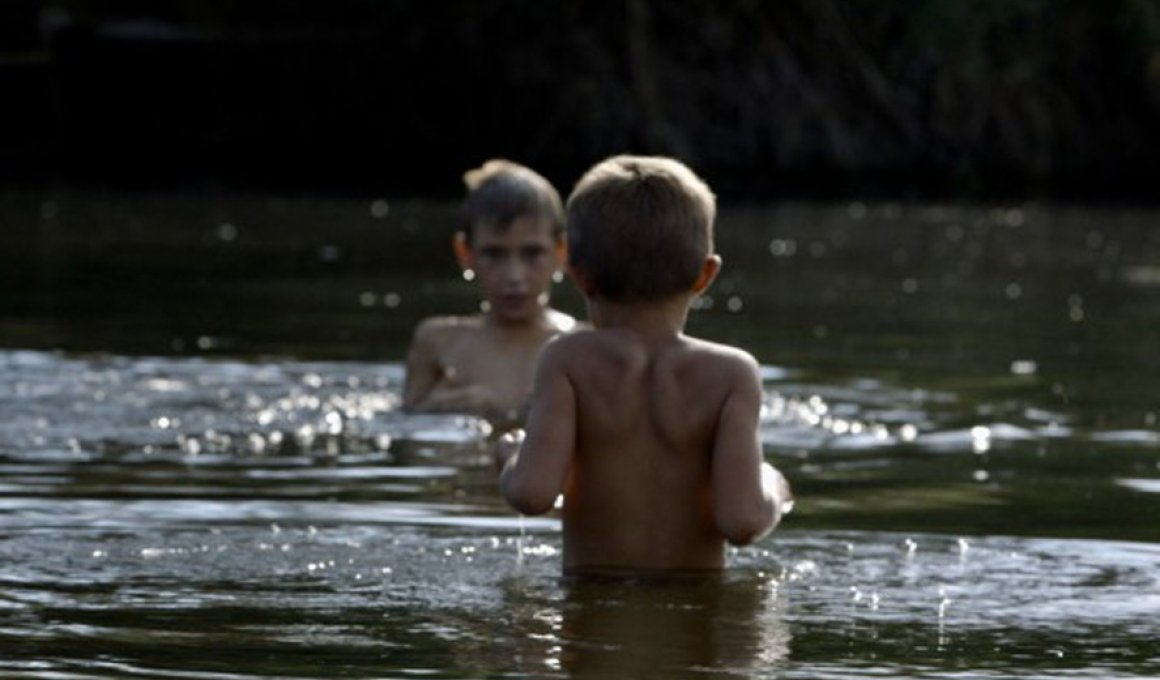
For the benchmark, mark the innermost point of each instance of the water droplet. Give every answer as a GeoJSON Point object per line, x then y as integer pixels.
{"type": "Point", "coordinates": [980, 439]}
{"type": "Point", "coordinates": [782, 248]}
{"type": "Point", "coordinates": [944, 604]}
{"type": "Point", "coordinates": [333, 422]}
{"type": "Point", "coordinates": [191, 446]}
{"type": "Point", "coordinates": [1024, 367]}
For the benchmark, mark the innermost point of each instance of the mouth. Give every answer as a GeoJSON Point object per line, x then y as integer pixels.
{"type": "Point", "coordinates": [514, 299]}
{"type": "Point", "coordinates": [515, 302]}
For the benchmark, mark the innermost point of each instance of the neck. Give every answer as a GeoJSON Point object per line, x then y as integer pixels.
{"type": "Point", "coordinates": [535, 322]}
{"type": "Point", "coordinates": [656, 318]}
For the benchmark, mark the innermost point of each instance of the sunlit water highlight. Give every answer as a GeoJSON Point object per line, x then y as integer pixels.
{"type": "Point", "coordinates": [192, 518]}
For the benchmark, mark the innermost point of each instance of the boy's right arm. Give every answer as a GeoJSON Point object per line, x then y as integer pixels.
{"type": "Point", "coordinates": [534, 477]}
{"type": "Point", "coordinates": [422, 366]}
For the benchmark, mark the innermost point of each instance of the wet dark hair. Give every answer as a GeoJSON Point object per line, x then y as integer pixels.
{"type": "Point", "coordinates": [640, 227]}
{"type": "Point", "coordinates": [501, 191]}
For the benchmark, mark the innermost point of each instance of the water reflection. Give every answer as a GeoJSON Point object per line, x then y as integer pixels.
{"type": "Point", "coordinates": [731, 627]}
{"type": "Point", "coordinates": [347, 597]}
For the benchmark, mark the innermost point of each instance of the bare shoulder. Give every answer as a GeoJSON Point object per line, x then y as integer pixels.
{"type": "Point", "coordinates": [564, 346]}
{"type": "Point", "coordinates": [577, 352]}
{"type": "Point", "coordinates": [723, 356]}
{"type": "Point", "coordinates": [435, 329]}
{"type": "Point", "coordinates": [560, 322]}
{"type": "Point", "coordinates": [726, 367]}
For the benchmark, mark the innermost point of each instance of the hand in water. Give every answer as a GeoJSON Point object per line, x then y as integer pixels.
{"type": "Point", "coordinates": [507, 446]}
{"type": "Point", "coordinates": [776, 483]}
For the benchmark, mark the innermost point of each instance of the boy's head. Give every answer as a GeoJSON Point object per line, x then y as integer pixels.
{"type": "Point", "coordinates": [640, 228]}
{"type": "Point", "coordinates": [512, 241]}
{"type": "Point", "coordinates": [500, 191]}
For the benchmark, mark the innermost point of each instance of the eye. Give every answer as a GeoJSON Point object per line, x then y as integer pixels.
{"type": "Point", "coordinates": [490, 253]}
{"type": "Point", "coordinates": [533, 253]}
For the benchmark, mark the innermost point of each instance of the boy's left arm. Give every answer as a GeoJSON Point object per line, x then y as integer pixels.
{"type": "Point", "coordinates": [532, 478]}
{"type": "Point", "coordinates": [747, 491]}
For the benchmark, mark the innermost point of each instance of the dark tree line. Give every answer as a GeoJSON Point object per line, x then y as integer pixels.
{"type": "Point", "coordinates": [975, 98]}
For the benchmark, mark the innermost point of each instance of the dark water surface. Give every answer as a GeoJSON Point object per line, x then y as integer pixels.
{"type": "Point", "coordinates": [204, 472]}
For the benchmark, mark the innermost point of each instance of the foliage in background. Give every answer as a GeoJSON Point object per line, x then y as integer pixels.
{"type": "Point", "coordinates": [932, 97]}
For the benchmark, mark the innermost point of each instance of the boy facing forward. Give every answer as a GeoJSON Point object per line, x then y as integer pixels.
{"type": "Point", "coordinates": [650, 435]}
{"type": "Point", "coordinates": [512, 244]}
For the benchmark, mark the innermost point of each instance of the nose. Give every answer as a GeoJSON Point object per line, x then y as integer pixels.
{"type": "Point", "coordinates": [515, 272]}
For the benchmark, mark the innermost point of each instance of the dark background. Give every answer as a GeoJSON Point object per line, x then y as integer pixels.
{"type": "Point", "coordinates": [971, 99]}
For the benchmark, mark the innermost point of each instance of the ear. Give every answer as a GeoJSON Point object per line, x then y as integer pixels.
{"type": "Point", "coordinates": [462, 250]}
{"type": "Point", "coordinates": [709, 270]}
{"type": "Point", "coordinates": [581, 280]}
{"type": "Point", "coordinates": [561, 253]}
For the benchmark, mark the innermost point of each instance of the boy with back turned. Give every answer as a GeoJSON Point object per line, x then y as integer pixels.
{"type": "Point", "coordinates": [650, 435]}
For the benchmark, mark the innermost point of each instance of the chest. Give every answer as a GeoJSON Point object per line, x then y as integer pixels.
{"type": "Point", "coordinates": [506, 364]}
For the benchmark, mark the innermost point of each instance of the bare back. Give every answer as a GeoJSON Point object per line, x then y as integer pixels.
{"type": "Point", "coordinates": [663, 439]}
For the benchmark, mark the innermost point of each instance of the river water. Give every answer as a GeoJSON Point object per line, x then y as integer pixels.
{"type": "Point", "coordinates": [204, 472]}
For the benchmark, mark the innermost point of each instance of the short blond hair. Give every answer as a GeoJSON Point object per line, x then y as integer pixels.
{"type": "Point", "coordinates": [501, 191]}
{"type": "Point", "coordinates": [640, 227]}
